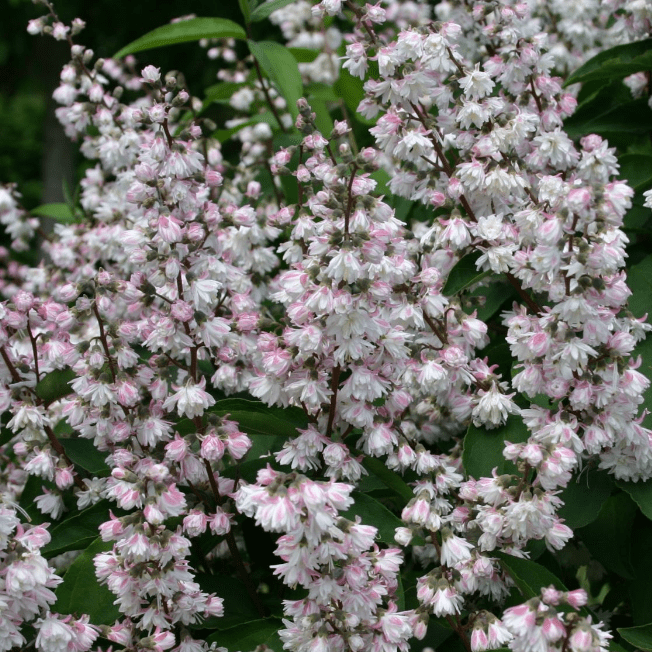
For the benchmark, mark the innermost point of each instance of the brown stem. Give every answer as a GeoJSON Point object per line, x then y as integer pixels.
{"type": "Point", "coordinates": [435, 328]}
{"type": "Point", "coordinates": [537, 99]}
{"type": "Point", "coordinates": [259, 73]}
{"type": "Point", "coordinates": [335, 380]}
{"type": "Point", "coordinates": [349, 204]}
{"type": "Point", "coordinates": [32, 339]}
{"type": "Point", "coordinates": [233, 548]}
{"type": "Point", "coordinates": [15, 376]}
{"type": "Point", "coordinates": [531, 303]}
{"type": "Point", "coordinates": [56, 444]}
{"type": "Point", "coordinates": [168, 135]}
{"type": "Point", "coordinates": [105, 342]}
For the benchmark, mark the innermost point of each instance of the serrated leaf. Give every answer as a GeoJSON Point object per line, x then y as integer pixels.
{"type": "Point", "coordinates": [59, 212]}
{"type": "Point", "coordinates": [614, 63]}
{"type": "Point", "coordinates": [81, 593]}
{"type": "Point", "coordinates": [264, 10]}
{"type": "Point", "coordinates": [529, 576]}
{"type": "Point", "coordinates": [584, 496]}
{"type": "Point", "coordinates": [183, 32]}
{"type": "Point", "coordinates": [639, 637]}
{"type": "Point", "coordinates": [249, 635]}
{"type": "Point", "coordinates": [282, 69]}
{"type": "Point", "coordinates": [55, 385]}
{"type": "Point", "coordinates": [83, 453]}
{"type": "Point", "coordinates": [371, 512]}
{"type": "Point", "coordinates": [77, 531]}
{"type": "Point", "coordinates": [464, 274]}
{"type": "Point", "coordinates": [483, 449]}
{"type": "Point", "coordinates": [388, 477]}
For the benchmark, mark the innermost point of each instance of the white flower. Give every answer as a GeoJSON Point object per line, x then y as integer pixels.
{"type": "Point", "coordinates": [190, 400]}
{"type": "Point", "coordinates": [492, 408]}
{"type": "Point", "coordinates": [476, 84]}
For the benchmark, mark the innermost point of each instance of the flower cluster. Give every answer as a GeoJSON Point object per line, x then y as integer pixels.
{"type": "Point", "coordinates": [295, 275]}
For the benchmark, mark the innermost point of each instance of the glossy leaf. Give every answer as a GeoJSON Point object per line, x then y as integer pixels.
{"type": "Point", "coordinates": [388, 477]}
{"type": "Point", "coordinates": [282, 69]}
{"type": "Point", "coordinates": [249, 635]}
{"type": "Point", "coordinates": [483, 449]}
{"type": "Point", "coordinates": [55, 385]}
{"type": "Point", "coordinates": [639, 280]}
{"type": "Point", "coordinates": [615, 63]}
{"type": "Point", "coordinates": [59, 212]}
{"type": "Point", "coordinates": [632, 117]}
{"type": "Point", "coordinates": [371, 512]}
{"type": "Point", "coordinates": [529, 576]}
{"type": "Point", "coordinates": [81, 593]}
{"type": "Point", "coordinates": [245, 9]}
{"type": "Point", "coordinates": [584, 496]}
{"type": "Point", "coordinates": [639, 637]}
{"type": "Point", "coordinates": [78, 531]}
{"type": "Point", "coordinates": [183, 32]}
{"type": "Point", "coordinates": [84, 453]}
{"type": "Point", "coordinates": [464, 274]}
{"type": "Point", "coordinates": [264, 10]}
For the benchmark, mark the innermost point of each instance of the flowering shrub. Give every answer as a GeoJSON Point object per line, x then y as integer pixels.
{"type": "Point", "coordinates": [376, 381]}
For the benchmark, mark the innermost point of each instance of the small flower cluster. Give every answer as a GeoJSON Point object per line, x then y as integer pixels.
{"type": "Point", "coordinates": [26, 583]}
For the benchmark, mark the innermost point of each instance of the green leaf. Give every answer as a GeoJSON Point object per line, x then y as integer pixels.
{"type": "Point", "coordinates": [255, 417]}
{"type": "Point", "coordinates": [495, 296]}
{"type": "Point", "coordinates": [33, 488]}
{"type": "Point", "coordinates": [351, 90]}
{"type": "Point", "coordinates": [245, 9]}
{"type": "Point", "coordinates": [238, 605]}
{"type": "Point", "coordinates": [639, 637]}
{"type": "Point", "coordinates": [282, 69]}
{"type": "Point", "coordinates": [464, 274]}
{"type": "Point", "coordinates": [639, 279]}
{"type": "Point", "coordinates": [77, 531]}
{"type": "Point", "coordinates": [83, 453]}
{"type": "Point", "coordinates": [263, 11]}
{"type": "Point", "coordinates": [81, 593]}
{"type": "Point", "coordinates": [182, 32]}
{"type": "Point", "coordinates": [306, 55]}
{"type": "Point", "coordinates": [371, 512]}
{"type": "Point", "coordinates": [389, 478]}
{"type": "Point", "coordinates": [615, 63]}
{"type": "Point", "coordinates": [584, 496]}
{"type": "Point", "coordinates": [641, 494]}
{"type": "Point", "coordinates": [483, 449]}
{"type": "Point", "coordinates": [249, 635]}
{"type": "Point", "coordinates": [59, 212]}
{"type": "Point", "coordinates": [529, 576]}
{"type": "Point", "coordinates": [224, 134]}
{"type": "Point", "coordinates": [636, 169]}
{"type": "Point", "coordinates": [55, 385]}
{"type": "Point", "coordinates": [323, 120]}
{"type": "Point", "coordinates": [609, 537]}
{"type": "Point", "coordinates": [632, 117]}
{"type": "Point", "coordinates": [220, 93]}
